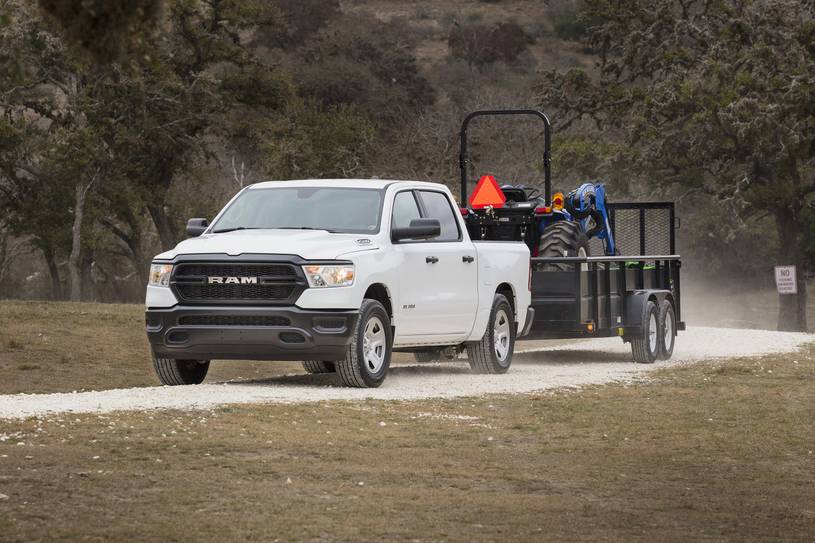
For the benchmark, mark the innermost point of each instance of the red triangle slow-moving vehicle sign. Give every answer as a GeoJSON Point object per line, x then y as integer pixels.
{"type": "Point", "coordinates": [487, 193]}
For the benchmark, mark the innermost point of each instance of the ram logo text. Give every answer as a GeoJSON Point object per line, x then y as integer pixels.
{"type": "Point", "coordinates": [232, 280]}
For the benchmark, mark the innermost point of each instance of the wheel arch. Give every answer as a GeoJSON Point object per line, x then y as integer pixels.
{"type": "Point", "coordinates": [380, 293]}
{"type": "Point", "coordinates": [508, 292]}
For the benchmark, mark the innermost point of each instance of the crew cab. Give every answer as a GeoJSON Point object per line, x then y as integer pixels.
{"type": "Point", "coordinates": [337, 274]}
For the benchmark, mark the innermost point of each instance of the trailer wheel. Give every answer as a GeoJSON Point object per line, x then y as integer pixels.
{"type": "Point", "coordinates": [562, 238]}
{"type": "Point", "coordinates": [180, 372]}
{"type": "Point", "coordinates": [368, 356]}
{"type": "Point", "coordinates": [667, 329]}
{"type": "Point", "coordinates": [646, 348]}
{"type": "Point", "coordinates": [493, 354]}
{"type": "Point", "coordinates": [318, 366]}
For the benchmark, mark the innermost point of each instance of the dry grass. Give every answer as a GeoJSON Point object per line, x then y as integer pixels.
{"type": "Point", "coordinates": [62, 346]}
{"type": "Point", "coordinates": [703, 452]}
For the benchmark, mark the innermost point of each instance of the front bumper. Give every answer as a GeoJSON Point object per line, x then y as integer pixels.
{"type": "Point", "coordinates": [249, 333]}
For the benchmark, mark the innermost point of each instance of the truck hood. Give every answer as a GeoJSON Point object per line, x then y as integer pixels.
{"type": "Point", "coordinates": [308, 244]}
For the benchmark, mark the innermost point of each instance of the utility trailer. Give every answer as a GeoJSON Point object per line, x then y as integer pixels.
{"type": "Point", "coordinates": [633, 293]}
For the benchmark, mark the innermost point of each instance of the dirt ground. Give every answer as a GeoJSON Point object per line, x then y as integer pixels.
{"type": "Point", "coordinates": [700, 452]}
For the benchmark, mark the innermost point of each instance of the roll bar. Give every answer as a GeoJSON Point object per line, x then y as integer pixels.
{"type": "Point", "coordinates": [547, 147]}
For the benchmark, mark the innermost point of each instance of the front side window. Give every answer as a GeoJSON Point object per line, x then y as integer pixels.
{"type": "Point", "coordinates": [437, 206]}
{"type": "Point", "coordinates": [404, 210]}
{"type": "Point", "coordinates": [340, 210]}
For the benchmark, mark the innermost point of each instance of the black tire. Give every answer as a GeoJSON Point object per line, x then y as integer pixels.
{"type": "Point", "coordinates": [180, 372]}
{"type": "Point", "coordinates": [357, 370]}
{"type": "Point", "coordinates": [432, 355]}
{"type": "Point", "coordinates": [667, 330]}
{"type": "Point", "coordinates": [318, 366]}
{"type": "Point", "coordinates": [562, 238]}
{"type": "Point", "coordinates": [483, 355]}
{"type": "Point", "coordinates": [646, 348]}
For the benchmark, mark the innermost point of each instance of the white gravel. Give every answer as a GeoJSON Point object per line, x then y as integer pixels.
{"type": "Point", "coordinates": [584, 362]}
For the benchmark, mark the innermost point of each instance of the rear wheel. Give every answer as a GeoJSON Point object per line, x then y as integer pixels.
{"type": "Point", "coordinates": [180, 372]}
{"type": "Point", "coordinates": [493, 354]}
{"type": "Point", "coordinates": [562, 238]}
{"type": "Point", "coordinates": [369, 354]}
{"type": "Point", "coordinates": [318, 366]}
{"type": "Point", "coordinates": [667, 326]}
{"type": "Point", "coordinates": [646, 348]}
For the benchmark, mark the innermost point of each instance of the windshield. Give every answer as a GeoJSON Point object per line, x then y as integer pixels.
{"type": "Point", "coordinates": [343, 210]}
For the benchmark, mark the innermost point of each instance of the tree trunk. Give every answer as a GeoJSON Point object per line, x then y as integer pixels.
{"type": "Point", "coordinates": [53, 270]}
{"type": "Point", "coordinates": [74, 273]}
{"type": "Point", "coordinates": [792, 314]}
{"type": "Point", "coordinates": [132, 241]}
{"type": "Point", "coordinates": [166, 232]}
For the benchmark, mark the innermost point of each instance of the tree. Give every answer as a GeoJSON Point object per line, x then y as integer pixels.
{"type": "Point", "coordinates": [714, 98]}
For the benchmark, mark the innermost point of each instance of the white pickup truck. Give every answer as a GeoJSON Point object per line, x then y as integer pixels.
{"type": "Point", "coordinates": [337, 274]}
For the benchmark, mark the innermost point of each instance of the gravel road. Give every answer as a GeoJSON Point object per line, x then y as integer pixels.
{"type": "Point", "coordinates": [537, 366]}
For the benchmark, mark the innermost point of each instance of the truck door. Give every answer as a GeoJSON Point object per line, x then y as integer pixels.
{"type": "Point", "coordinates": [438, 282]}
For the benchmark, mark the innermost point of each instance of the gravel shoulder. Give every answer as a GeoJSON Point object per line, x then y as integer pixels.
{"type": "Point", "coordinates": [538, 366]}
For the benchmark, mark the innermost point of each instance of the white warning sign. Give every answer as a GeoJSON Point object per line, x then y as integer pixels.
{"type": "Point", "coordinates": [785, 280]}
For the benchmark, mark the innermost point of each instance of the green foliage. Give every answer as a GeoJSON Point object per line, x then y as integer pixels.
{"type": "Point", "coordinates": [106, 31]}
{"type": "Point", "coordinates": [313, 142]}
{"type": "Point", "coordinates": [367, 65]}
{"type": "Point", "coordinates": [715, 97]}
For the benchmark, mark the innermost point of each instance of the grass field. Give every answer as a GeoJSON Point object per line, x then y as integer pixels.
{"type": "Point", "coordinates": [701, 452]}
{"type": "Point", "coordinates": [61, 347]}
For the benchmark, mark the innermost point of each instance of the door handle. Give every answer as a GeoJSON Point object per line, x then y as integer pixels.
{"type": "Point", "coordinates": [431, 259]}
{"type": "Point", "coordinates": [467, 259]}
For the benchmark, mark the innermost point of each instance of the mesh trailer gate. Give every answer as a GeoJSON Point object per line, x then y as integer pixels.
{"type": "Point", "coordinates": [604, 296]}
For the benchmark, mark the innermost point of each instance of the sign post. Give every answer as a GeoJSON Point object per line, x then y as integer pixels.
{"type": "Point", "coordinates": [785, 280]}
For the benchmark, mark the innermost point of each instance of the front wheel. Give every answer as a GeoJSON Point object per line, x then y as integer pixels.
{"type": "Point", "coordinates": [368, 356]}
{"type": "Point", "coordinates": [180, 372]}
{"type": "Point", "coordinates": [493, 354]}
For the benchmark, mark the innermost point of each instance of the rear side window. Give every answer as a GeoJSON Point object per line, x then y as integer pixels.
{"type": "Point", "coordinates": [404, 210]}
{"type": "Point", "coordinates": [437, 206]}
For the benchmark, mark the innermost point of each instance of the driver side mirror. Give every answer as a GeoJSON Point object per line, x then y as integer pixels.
{"type": "Point", "coordinates": [196, 227]}
{"type": "Point", "coordinates": [418, 229]}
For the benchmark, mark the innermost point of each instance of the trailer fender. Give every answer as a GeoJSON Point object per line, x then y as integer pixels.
{"type": "Point", "coordinates": [636, 302]}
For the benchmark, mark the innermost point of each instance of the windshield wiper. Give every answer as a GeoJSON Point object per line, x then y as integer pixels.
{"type": "Point", "coordinates": [234, 229]}
{"type": "Point", "coordinates": [305, 228]}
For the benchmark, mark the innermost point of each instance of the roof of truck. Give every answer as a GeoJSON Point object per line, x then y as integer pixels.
{"type": "Point", "coordinates": [361, 183]}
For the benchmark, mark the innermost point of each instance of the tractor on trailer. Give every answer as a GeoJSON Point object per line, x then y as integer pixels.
{"type": "Point", "coordinates": [632, 291]}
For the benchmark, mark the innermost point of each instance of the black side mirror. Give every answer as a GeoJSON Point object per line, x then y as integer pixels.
{"type": "Point", "coordinates": [418, 229]}
{"type": "Point", "coordinates": [196, 227]}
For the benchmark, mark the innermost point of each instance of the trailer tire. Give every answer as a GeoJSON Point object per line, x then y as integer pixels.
{"type": "Point", "coordinates": [667, 329]}
{"type": "Point", "coordinates": [493, 354]}
{"type": "Point", "coordinates": [562, 238]}
{"type": "Point", "coordinates": [368, 356]}
{"type": "Point", "coordinates": [174, 372]}
{"type": "Point", "coordinates": [646, 348]}
{"type": "Point", "coordinates": [318, 366]}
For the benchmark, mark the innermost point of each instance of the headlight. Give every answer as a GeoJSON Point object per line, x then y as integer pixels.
{"type": "Point", "coordinates": [329, 276]}
{"type": "Point", "coordinates": [160, 275]}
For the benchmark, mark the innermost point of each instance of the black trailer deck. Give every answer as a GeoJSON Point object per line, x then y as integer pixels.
{"type": "Point", "coordinates": [605, 296]}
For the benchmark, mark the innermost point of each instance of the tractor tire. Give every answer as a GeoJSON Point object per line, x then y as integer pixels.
{"type": "Point", "coordinates": [559, 239]}
{"type": "Point", "coordinates": [174, 372]}
{"type": "Point", "coordinates": [318, 366]}
{"type": "Point", "coordinates": [493, 354]}
{"type": "Point", "coordinates": [667, 328]}
{"type": "Point", "coordinates": [368, 356]}
{"type": "Point", "coordinates": [646, 348]}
